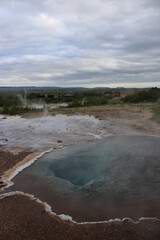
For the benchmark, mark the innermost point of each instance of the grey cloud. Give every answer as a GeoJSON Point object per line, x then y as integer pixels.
{"type": "Point", "coordinates": [67, 43]}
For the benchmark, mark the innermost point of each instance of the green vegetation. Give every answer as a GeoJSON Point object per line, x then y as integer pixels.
{"type": "Point", "coordinates": [89, 101]}
{"type": "Point", "coordinates": [115, 102]}
{"type": "Point", "coordinates": [61, 96]}
{"type": "Point", "coordinates": [156, 111]}
{"type": "Point", "coordinates": [151, 95]}
{"type": "Point", "coordinates": [12, 106]}
{"type": "Point", "coordinates": [11, 102]}
{"type": "Point", "coordinates": [78, 98]}
{"type": "Point", "coordinates": [76, 103]}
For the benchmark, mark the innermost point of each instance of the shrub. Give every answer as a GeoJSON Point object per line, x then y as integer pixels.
{"type": "Point", "coordinates": [151, 95]}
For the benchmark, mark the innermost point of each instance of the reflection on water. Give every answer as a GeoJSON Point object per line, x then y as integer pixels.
{"type": "Point", "coordinates": [116, 177]}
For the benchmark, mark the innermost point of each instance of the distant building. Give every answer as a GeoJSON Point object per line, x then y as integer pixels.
{"type": "Point", "coordinates": [68, 95]}
{"type": "Point", "coordinates": [113, 94]}
{"type": "Point", "coordinates": [42, 95]}
{"type": "Point", "coordinates": [126, 93]}
{"type": "Point", "coordinates": [118, 94]}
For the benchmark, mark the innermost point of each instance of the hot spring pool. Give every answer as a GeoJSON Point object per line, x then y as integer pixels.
{"type": "Point", "coordinates": [114, 178]}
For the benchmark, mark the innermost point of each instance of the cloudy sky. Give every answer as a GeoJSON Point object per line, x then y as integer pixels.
{"type": "Point", "coordinates": [85, 43]}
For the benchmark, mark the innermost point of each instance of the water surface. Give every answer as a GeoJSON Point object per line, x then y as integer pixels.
{"type": "Point", "coordinates": [112, 178]}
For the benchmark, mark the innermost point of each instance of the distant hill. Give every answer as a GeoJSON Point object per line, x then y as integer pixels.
{"type": "Point", "coordinates": [33, 88]}
{"type": "Point", "coordinates": [25, 88]}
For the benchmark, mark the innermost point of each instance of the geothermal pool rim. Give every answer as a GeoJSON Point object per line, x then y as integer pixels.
{"type": "Point", "coordinates": [11, 173]}
{"type": "Point", "coordinates": [69, 219]}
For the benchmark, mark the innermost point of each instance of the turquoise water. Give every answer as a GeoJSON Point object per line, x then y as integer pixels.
{"type": "Point", "coordinates": [115, 177]}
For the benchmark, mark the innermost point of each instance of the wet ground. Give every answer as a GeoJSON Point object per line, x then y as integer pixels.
{"type": "Point", "coordinates": [114, 178]}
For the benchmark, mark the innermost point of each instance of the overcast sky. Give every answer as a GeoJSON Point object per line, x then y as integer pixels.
{"type": "Point", "coordinates": [86, 43]}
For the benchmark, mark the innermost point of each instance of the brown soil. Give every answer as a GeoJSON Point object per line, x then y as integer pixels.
{"type": "Point", "coordinates": [22, 218]}
{"type": "Point", "coordinates": [8, 159]}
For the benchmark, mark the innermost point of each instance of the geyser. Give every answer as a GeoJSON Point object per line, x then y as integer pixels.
{"type": "Point", "coordinates": [114, 178]}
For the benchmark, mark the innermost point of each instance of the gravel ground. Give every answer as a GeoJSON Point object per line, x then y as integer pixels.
{"type": "Point", "coordinates": [22, 218]}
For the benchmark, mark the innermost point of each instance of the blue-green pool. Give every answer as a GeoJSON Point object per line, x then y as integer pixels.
{"type": "Point", "coordinates": [112, 178]}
